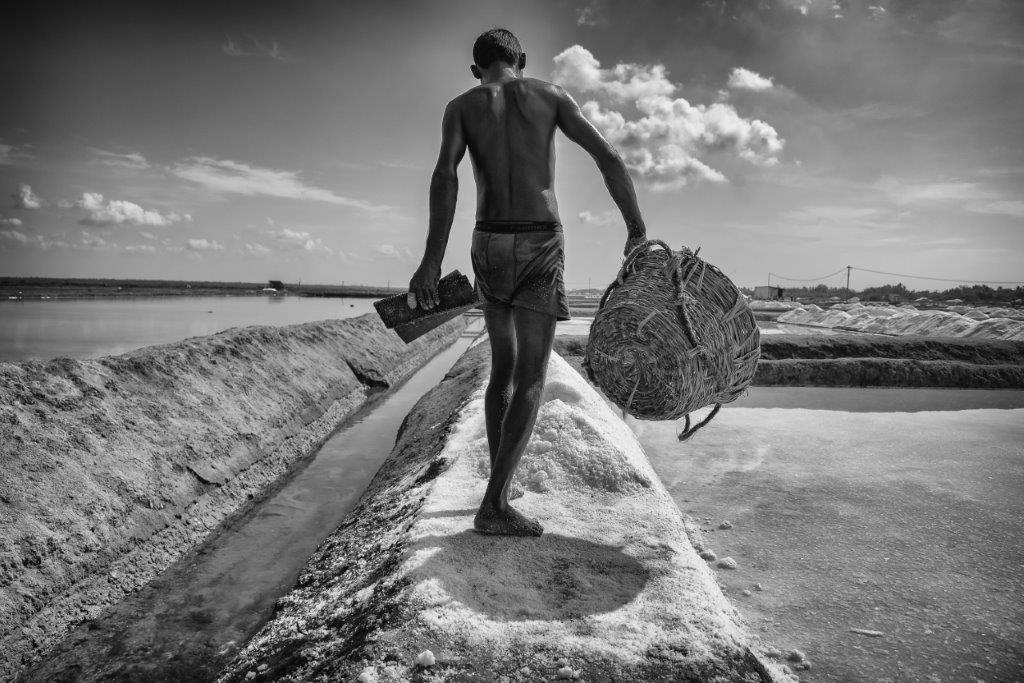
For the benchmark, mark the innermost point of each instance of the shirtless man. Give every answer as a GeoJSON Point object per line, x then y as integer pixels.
{"type": "Point", "coordinates": [508, 124]}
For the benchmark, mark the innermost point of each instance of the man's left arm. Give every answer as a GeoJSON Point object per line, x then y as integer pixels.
{"type": "Point", "coordinates": [444, 190]}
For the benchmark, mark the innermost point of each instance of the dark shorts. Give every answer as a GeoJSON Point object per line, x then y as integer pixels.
{"type": "Point", "coordinates": [520, 264]}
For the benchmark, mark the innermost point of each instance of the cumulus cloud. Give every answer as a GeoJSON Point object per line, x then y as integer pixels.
{"type": "Point", "coordinates": [232, 177]}
{"type": "Point", "coordinates": [600, 218]}
{"type": "Point", "coordinates": [203, 244]}
{"type": "Point", "coordinates": [577, 68]}
{"type": "Point", "coordinates": [11, 222]}
{"type": "Point", "coordinates": [287, 239]}
{"type": "Point", "coordinates": [116, 212]}
{"type": "Point", "coordinates": [745, 79]}
{"type": "Point", "coordinates": [25, 198]}
{"type": "Point", "coordinates": [663, 143]}
{"type": "Point", "coordinates": [248, 46]}
{"type": "Point", "coordinates": [132, 160]}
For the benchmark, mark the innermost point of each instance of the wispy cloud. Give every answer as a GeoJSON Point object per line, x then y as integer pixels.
{"type": "Point", "coordinates": [256, 249]}
{"type": "Point", "coordinates": [25, 198]}
{"type": "Point", "coordinates": [407, 165]}
{"type": "Point", "coordinates": [203, 244]}
{"type": "Point", "coordinates": [11, 155]}
{"type": "Point", "coordinates": [140, 249]}
{"type": "Point", "coordinates": [592, 14]}
{"type": "Point", "coordinates": [116, 212]}
{"type": "Point", "coordinates": [664, 143]}
{"type": "Point", "coordinates": [600, 218]}
{"type": "Point", "coordinates": [10, 222]}
{"type": "Point", "coordinates": [286, 239]}
{"type": "Point", "coordinates": [245, 45]}
{"type": "Point", "coordinates": [18, 238]}
{"type": "Point", "coordinates": [745, 79]}
{"type": "Point", "coordinates": [833, 214]}
{"type": "Point", "coordinates": [943, 191]}
{"type": "Point", "coordinates": [132, 160]}
{"type": "Point", "coordinates": [232, 177]}
{"type": "Point", "coordinates": [391, 251]}
{"type": "Point", "coordinates": [1002, 207]}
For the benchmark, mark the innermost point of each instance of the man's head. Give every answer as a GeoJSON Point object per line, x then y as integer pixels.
{"type": "Point", "coordinates": [498, 45]}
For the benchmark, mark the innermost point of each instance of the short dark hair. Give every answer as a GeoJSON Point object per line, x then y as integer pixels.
{"type": "Point", "coordinates": [496, 45]}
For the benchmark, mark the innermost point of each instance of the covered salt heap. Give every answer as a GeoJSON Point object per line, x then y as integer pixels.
{"type": "Point", "coordinates": [613, 590]}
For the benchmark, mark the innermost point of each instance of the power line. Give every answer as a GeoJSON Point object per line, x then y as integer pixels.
{"type": "Point", "coordinates": [883, 272]}
{"type": "Point", "coordinates": [943, 279]}
{"type": "Point", "coordinates": [808, 279]}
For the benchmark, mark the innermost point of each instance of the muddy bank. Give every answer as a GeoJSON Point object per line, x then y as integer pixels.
{"type": "Point", "coordinates": [887, 372]}
{"type": "Point", "coordinates": [117, 466]}
{"type": "Point", "coordinates": [806, 360]}
{"type": "Point", "coordinates": [613, 590]}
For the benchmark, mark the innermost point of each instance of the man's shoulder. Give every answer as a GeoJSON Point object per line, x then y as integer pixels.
{"type": "Point", "coordinates": [532, 84]}
{"type": "Point", "coordinates": [543, 85]}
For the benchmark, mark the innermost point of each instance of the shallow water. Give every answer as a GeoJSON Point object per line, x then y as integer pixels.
{"type": "Point", "coordinates": [893, 510]}
{"type": "Point", "coordinates": [88, 328]}
{"type": "Point", "coordinates": [192, 619]}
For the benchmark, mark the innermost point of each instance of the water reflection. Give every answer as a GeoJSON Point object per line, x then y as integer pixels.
{"type": "Point", "coordinates": [97, 327]}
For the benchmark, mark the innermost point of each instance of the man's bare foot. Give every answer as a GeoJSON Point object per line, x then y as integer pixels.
{"type": "Point", "coordinates": [507, 522]}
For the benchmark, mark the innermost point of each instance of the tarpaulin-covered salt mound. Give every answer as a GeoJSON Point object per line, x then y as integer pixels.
{"type": "Point", "coordinates": [115, 467]}
{"type": "Point", "coordinates": [613, 590]}
{"type": "Point", "coordinates": [906, 321]}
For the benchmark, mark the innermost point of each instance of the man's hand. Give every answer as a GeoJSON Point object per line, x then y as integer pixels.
{"type": "Point", "coordinates": [633, 242]}
{"type": "Point", "coordinates": [423, 287]}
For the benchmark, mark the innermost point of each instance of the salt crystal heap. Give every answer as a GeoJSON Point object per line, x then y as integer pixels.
{"type": "Point", "coordinates": [984, 323]}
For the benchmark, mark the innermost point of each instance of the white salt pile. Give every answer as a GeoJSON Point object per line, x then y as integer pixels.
{"type": "Point", "coordinates": [613, 589]}
{"type": "Point", "coordinates": [984, 323]}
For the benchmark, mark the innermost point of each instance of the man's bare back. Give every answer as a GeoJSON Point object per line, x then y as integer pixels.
{"type": "Point", "coordinates": [508, 124]}
{"type": "Point", "coordinates": [509, 128]}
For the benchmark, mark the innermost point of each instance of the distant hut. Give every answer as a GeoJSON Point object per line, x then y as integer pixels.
{"type": "Point", "coordinates": [275, 285]}
{"type": "Point", "coordinates": [893, 298]}
{"type": "Point", "coordinates": [768, 292]}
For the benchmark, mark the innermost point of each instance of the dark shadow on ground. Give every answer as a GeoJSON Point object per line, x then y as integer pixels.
{"type": "Point", "coordinates": [552, 577]}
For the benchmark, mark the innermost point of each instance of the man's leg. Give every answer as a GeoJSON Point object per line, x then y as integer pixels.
{"type": "Point", "coordinates": [502, 335]}
{"type": "Point", "coordinates": [534, 333]}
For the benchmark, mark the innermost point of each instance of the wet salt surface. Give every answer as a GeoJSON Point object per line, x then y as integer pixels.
{"type": "Point", "coordinates": [89, 328]}
{"type": "Point", "coordinates": [192, 619]}
{"type": "Point", "coordinates": [904, 523]}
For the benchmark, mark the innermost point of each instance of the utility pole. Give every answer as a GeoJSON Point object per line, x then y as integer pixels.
{"type": "Point", "coordinates": [847, 279]}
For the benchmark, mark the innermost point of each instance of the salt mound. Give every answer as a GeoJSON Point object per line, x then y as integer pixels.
{"type": "Point", "coordinates": [958, 321]}
{"type": "Point", "coordinates": [573, 447]}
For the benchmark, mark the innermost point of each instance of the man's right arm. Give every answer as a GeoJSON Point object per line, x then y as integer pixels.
{"type": "Point", "coordinates": [581, 131]}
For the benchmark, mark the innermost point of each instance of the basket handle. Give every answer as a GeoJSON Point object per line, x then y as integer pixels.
{"type": "Point", "coordinates": [628, 263]}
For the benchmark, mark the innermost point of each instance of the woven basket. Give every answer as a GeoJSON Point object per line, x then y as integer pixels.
{"type": "Point", "coordinates": [672, 334]}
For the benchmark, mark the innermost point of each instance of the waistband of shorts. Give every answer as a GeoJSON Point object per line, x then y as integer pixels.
{"type": "Point", "coordinates": [513, 227]}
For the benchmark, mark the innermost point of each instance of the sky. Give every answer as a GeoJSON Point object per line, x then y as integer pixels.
{"type": "Point", "coordinates": [295, 140]}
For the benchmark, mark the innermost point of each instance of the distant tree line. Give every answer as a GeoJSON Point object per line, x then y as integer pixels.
{"type": "Point", "coordinates": [970, 294]}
